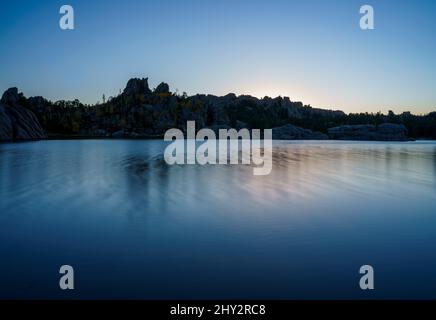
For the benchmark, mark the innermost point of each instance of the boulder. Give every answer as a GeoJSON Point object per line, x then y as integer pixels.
{"type": "Point", "coordinates": [118, 134]}
{"type": "Point", "coordinates": [369, 132]}
{"type": "Point", "coordinates": [16, 121]}
{"type": "Point", "coordinates": [291, 132]}
{"type": "Point", "coordinates": [162, 88]}
{"type": "Point", "coordinates": [19, 123]}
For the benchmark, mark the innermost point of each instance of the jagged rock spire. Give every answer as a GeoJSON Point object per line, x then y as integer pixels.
{"type": "Point", "coordinates": [137, 86]}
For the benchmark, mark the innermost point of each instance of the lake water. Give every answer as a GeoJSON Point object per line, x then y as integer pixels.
{"type": "Point", "coordinates": [134, 227]}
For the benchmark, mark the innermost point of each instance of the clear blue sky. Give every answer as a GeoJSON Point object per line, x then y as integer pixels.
{"type": "Point", "coordinates": [310, 50]}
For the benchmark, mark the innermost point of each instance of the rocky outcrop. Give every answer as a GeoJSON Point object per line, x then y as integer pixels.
{"type": "Point", "coordinates": [137, 86]}
{"type": "Point", "coordinates": [162, 88]}
{"type": "Point", "coordinates": [290, 132]}
{"type": "Point", "coordinates": [141, 112]}
{"type": "Point", "coordinates": [16, 121]}
{"type": "Point", "coordinates": [383, 132]}
{"type": "Point", "coordinates": [5, 124]}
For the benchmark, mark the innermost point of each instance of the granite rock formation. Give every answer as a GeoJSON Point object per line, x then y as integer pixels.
{"type": "Point", "coordinates": [290, 132]}
{"type": "Point", "coordinates": [382, 132]}
{"type": "Point", "coordinates": [140, 112]}
{"type": "Point", "coordinates": [17, 122]}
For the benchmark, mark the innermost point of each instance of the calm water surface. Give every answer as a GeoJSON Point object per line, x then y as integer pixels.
{"type": "Point", "coordinates": [134, 227]}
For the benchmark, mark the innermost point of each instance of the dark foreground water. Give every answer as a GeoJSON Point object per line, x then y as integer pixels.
{"type": "Point", "coordinates": [134, 227]}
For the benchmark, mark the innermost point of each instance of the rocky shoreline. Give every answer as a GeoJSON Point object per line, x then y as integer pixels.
{"type": "Point", "coordinates": [383, 132]}
{"type": "Point", "coordinates": [141, 113]}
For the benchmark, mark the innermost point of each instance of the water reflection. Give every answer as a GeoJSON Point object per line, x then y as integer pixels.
{"type": "Point", "coordinates": [139, 228]}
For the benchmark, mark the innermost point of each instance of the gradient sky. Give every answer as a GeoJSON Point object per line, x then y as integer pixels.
{"type": "Point", "coordinates": [310, 50]}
